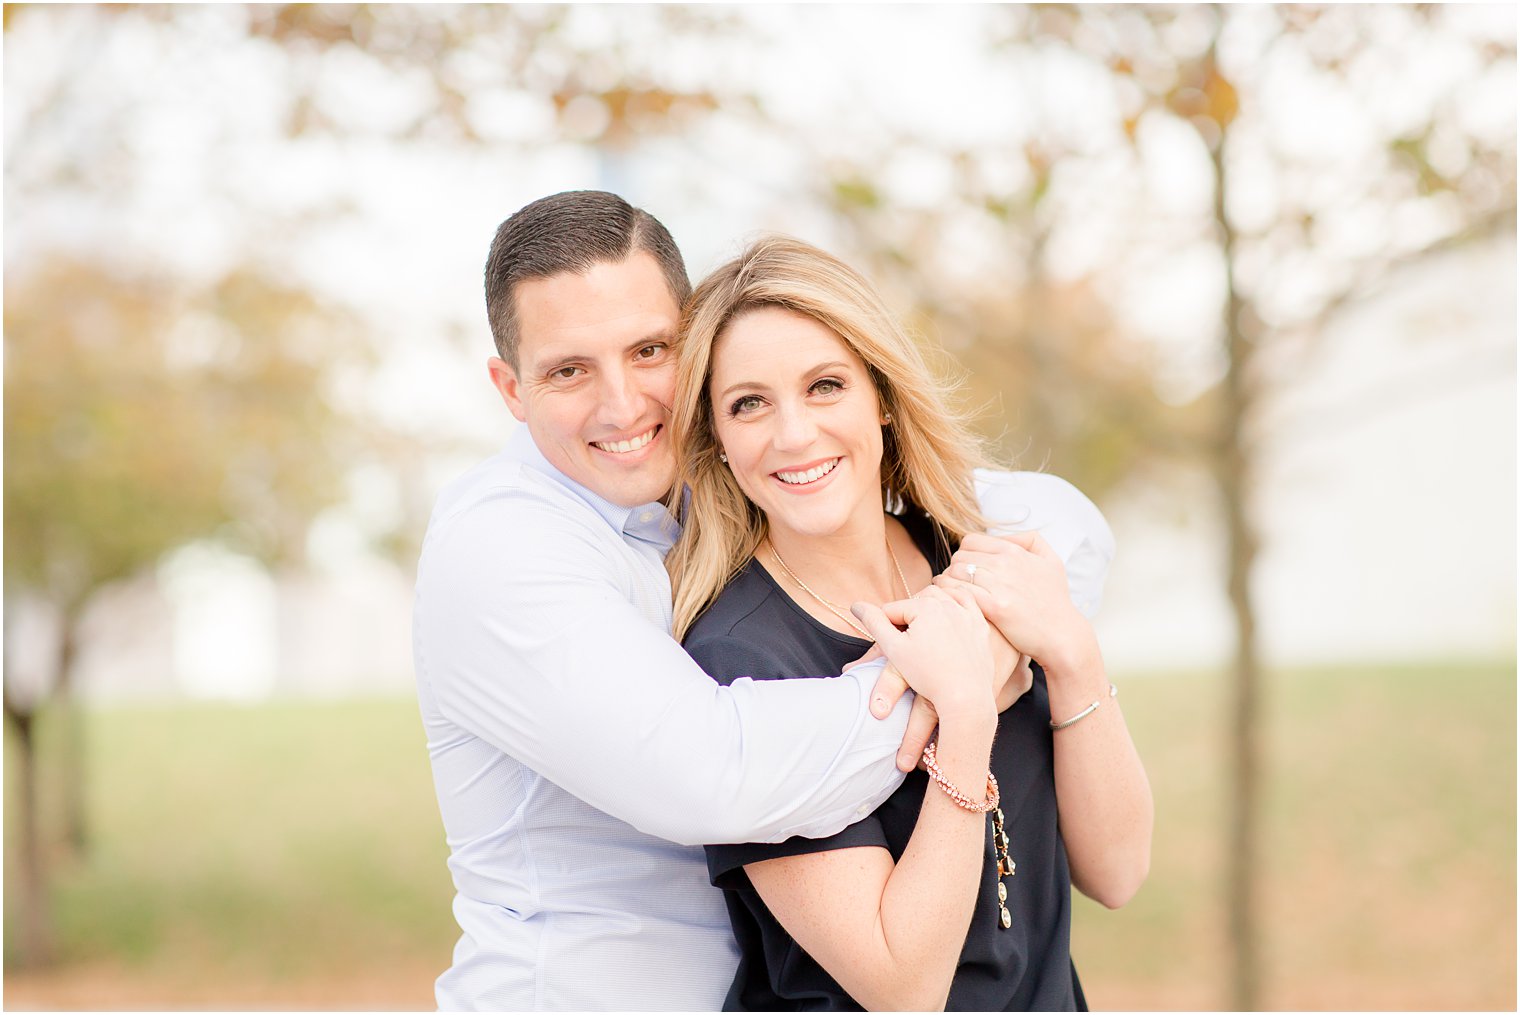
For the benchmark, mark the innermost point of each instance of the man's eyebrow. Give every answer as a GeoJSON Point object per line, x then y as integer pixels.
{"type": "Point", "coordinates": [665, 335]}
{"type": "Point", "coordinates": [756, 385]}
{"type": "Point", "coordinates": [549, 366]}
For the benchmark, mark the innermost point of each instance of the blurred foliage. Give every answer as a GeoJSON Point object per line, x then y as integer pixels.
{"type": "Point", "coordinates": [988, 264]}
{"type": "Point", "coordinates": [1425, 173]}
{"type": "Point", "coordinates": [601, 88]}
{"type": "Point", "coordinates": [1043, 364]}
{"type": "Point", "coordinates": [139, 416]}
{"type": "Point", "coordinates": [1301, 213]}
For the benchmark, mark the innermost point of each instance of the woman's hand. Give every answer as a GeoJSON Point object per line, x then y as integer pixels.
{"type": "Point", "coordinates": [1012, 679]}
{"type": "Point", "coordinates": [891, 932]}
{"type": "Point", "coordinates": [945, 654]}
{"type": "Point", "coordinates": [1020, 584]}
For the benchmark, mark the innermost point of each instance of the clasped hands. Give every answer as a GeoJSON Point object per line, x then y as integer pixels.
{"type": "Point", "coordinates": [1015, 586]}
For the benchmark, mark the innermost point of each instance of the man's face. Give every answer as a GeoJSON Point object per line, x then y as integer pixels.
{"type": "Point", "coordinates": [596, 375]}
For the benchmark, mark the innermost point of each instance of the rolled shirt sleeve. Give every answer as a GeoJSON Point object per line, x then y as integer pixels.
{"type": "Point", "coordinates": [1064, 517]}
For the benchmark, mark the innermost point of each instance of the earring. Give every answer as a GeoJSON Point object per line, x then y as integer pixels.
{"type": "Point", "coordinates": [886, 419]}
{"type": "Point", "coordinates": [723, 457]}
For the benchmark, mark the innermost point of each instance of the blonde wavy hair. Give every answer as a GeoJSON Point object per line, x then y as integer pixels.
{"type": "Point", "coordinates": [928, 450]}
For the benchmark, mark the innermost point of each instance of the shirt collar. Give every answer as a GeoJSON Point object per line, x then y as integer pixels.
{"type": "Point", "coordinates": [651, 522]}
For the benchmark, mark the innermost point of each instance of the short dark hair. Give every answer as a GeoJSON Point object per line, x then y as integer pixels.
{"type": "Point", "coordinates": [570, 232]}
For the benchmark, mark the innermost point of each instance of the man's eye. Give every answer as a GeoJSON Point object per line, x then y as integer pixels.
{"type": "Point", "coordinates": [747, 403]}
{"type": "Point", "coordinates": [565, 373]}
{"type": "Point", "coordinates": [650, 351]}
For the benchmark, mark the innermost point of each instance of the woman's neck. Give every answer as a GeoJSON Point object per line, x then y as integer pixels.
{"type": "Point", "coordinates": [842, 567]}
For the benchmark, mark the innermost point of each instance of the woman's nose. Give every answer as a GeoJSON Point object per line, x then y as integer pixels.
{"type": "Point", "coordinates": [795, 429]}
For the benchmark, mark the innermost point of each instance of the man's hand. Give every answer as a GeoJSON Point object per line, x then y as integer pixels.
{"type": "Point", "coordinates": [891, 686]}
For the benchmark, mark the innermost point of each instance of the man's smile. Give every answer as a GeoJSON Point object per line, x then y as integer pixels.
{"type": "Point", "coordinates": [630, 445]}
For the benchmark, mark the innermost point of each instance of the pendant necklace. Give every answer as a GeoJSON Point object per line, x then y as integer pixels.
{"type": "Point", "coordinates": [832, 607]}
{"type": "Point", "coordinates": [1005, 866]}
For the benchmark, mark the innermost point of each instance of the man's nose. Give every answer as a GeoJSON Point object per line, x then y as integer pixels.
{"type": "Point", "coordinates": [621, 399]}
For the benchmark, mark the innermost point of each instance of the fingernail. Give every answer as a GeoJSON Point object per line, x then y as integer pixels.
{"type": "Point", "coordinates": [855, 609]}
{"type": "Point", "coordinates": [879, 707]}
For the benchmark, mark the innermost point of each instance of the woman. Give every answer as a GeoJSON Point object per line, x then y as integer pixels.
{"type": "Point", "coordinates": [803, 413]}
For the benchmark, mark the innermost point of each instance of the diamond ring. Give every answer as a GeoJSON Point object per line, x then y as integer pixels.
{"type": "Point", "coordinates": [971, 573]}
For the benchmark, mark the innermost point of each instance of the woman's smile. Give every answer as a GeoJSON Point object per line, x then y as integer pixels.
{"type": "Point", "coordinates": [807, 476]}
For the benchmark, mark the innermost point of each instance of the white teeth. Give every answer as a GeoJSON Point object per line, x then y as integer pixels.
{"type": "Point", "coordinates": [815, 473]}
{"type": "Point", "coordinates": [623, 447]}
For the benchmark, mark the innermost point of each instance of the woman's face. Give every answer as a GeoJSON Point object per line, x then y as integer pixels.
{"type": "Point", "coordinates": [796, 413]}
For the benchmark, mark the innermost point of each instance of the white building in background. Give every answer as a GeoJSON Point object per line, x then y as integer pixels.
{"type": "Point", "coordinates": [1387, 505]}
{"type": "Point", "coordinates": [215, 626]}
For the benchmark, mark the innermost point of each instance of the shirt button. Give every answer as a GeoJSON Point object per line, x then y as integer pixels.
{"type": "Point", "coordinates": [646, 516]}
{"type": "Point", "coordinates": [862, 811]}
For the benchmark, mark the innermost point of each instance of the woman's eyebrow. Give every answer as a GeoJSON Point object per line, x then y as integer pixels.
{"type": "Point", "coordinates": [820, 368]}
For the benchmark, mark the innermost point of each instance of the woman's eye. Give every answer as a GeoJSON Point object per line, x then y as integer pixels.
{"type": "Point", "coordinates": [742, 405]}
{"type": "Point", "coordinates": [827, 386]}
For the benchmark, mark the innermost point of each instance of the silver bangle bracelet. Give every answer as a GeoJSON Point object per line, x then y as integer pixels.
{"type": "Point", "coordinates": [1113, 692]}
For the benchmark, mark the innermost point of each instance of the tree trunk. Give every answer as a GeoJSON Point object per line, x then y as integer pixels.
{"type": "Point", "coordinates": [35, 946]}
{"type": "Point", "coordinates": [71, 746]}
{"type": "Point", "coordinates": [1245, 789]}
{"type": "Point", "coordinates": [1234, 473]}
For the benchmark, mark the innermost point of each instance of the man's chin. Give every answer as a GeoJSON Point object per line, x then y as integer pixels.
{"type": "Point", "coordinates": [632, 487]}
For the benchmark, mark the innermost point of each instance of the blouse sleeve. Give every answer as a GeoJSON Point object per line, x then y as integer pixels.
{"type": "Point", "coordinates": [727, 658]}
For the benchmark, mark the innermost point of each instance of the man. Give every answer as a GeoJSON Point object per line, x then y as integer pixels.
{"type": "Point", "coordinates": [580, 756]}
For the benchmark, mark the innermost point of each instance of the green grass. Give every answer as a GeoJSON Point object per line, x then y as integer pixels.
{"type": "Point", "coordinates": [1387, 865]}
{"type": "Point", "coordinates": [282, 843]}
{"type": "Point", "coordinates": [275, 840]}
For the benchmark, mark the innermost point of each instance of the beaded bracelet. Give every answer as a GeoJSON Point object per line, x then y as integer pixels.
{"type": "Point", "coordinates": [931, 765]}
{"type": "Point", "coordinates": [1005, 865]}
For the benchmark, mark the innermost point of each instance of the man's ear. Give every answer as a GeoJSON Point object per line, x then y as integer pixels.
{"type": "Point", "coordinates": [504, 379]}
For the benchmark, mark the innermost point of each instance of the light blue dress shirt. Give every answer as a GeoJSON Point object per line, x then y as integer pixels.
{"type": "Point", "coordinates": [581, 758]}
{"type": "Point", "coordinates": [574, 744]}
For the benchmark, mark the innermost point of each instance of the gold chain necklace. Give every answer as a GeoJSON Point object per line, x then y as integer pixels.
{"type": "Point", "coordinates": [831, 607]}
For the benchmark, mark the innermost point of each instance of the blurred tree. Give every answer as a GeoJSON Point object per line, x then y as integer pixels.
{"type": "Point", "coordinates": [148, 407]}
{"type": "Point", "coordinates": [1331, 234]}
{"type": "Point", "coordinates": [1043, 361]}
{"type": "Point", "coordinates": [122, 91]}
{"type": "Point", "coordinates": [603, 88]}
{"type": "Point", "coordinates": [138, 418]}
{"type": "Point", "coordinates": [1324, 170]}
